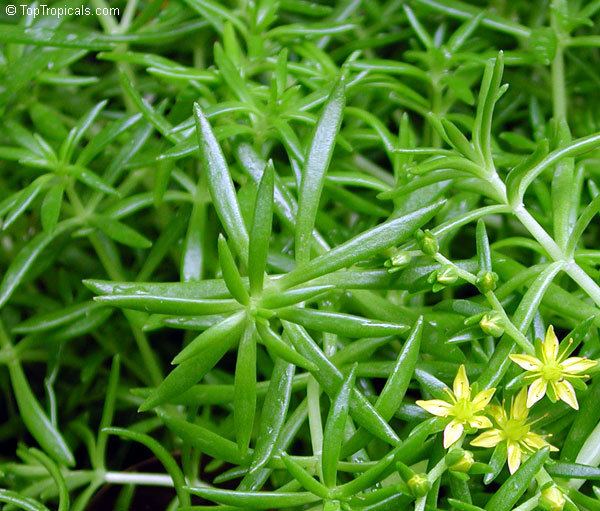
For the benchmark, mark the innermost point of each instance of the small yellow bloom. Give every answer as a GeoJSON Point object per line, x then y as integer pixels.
{"type": "Point", "coordinates": [461, 407]}
{"type": "Point", "coordinates": [515, 430]}
{"type": "Point", "coordinates": [554, 369]}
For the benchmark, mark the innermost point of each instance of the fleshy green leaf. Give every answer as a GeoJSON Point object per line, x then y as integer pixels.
{"type": "Point", "coordinates": [315, 166]}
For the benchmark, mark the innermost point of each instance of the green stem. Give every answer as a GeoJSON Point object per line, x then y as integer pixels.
{"type": "Point", "coordinates": [463, 274]}
{"type": "Point", "coordinates": [434, 474]}
{"type": "Point", "coordinates": [128, 15]}
{"type": "Point", "coordinates": [436, 105]}
{"type": "Point", "coordinates": [559, 92]}
{"type": "Point", "coordinates": [142, 479]}
{"type": "Point", "coordinates": [116, 273]}
{"type": "Point", "coordinates": [111, 26]}
{"type": "Point", "coordinates": [133, 317]}
{"type": "Point", "coordinates": [571, 268]}
{"type": "Point", "coordinates": [538, 232]}
{"type": "Point", "coordinates": [509, 327]}
{"type": "Point", "coordinates": [314, 416]}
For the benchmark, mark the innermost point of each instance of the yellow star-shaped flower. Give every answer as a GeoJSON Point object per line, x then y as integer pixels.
{"type": "Point", "coordinates": [515, 430]}
{"type": "Point", "coordinates": [465, 411]}
{"type": "Point", "coordinates": [553, 369]}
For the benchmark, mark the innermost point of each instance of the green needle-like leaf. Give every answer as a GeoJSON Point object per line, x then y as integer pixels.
{"type": "Point", "coordinates": [120, 232]}
{"type": "Point", "coordinates": [341, 324]}
{"type": "Point", "coordinates": [333, 434]}
{"type": "Point", "coordinates": [260, 232]}
{"type": "Point", "coordinates": [231, 274]}
{"type": "Point", "coordinates": [31, 412]}
{"type": "Point", "coordinates": [220, 185]}
{"type": "Point", "coordinates": [187, 374]}
{"type": "Point", "coordinates": [207, 441]}
{"type": "Point", "coordinates": [512, 489]}
{"type": "Point", "coordinates": [397, 384]}
{"type": "Point", "coordinates": [315, 166]}
{"type": "Point", "coordinates": [26, 258]}
{"type": "Point", "coordinates": [362, 246]}
{"type": "Point", "coordinates": [230, 328]}
{"type": "Point", "coordinates": [244, 400]}
{"type": "Point", "coordinates": [274, 411]}
{"type": "Point", "coordinates": [50, 210]}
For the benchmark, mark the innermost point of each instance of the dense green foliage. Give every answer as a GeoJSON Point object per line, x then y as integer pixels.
{"type": "Point", "coordinates": [255, 242]}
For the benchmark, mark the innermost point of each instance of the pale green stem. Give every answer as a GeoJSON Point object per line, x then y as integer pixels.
{"type": "Point", "coordinates": [313, 391]}
{"type": "Point", "coordinates": [584, 280]}
{"type": "Point", "coordinates": [111, 26]}
{"type": "Point", "coordinates": [128, 15]}
{"type": "Point", "coordinates": [510, 329]}
{"type": "Point", "coordinates": [538, 232]}
{"type": "Point", "coordinates": [436, 472]}
{"type": "Point", "coordinates": [463, 274]}
{"type": "Point", "coordinates": [559, 93]}
{"type": "Point", "coordinates": [108, 22]}
{"type": "Point", "coordinates": [142, 479]}
{"type": "Point", "coordinates": [420, 503]}
{"type": "Point", "coordinates": [571, 268]}
{"type": "Point", "coordinates": [433, 475]}
{"type": "Point", "coordinates": [133, 317]}
{"type": "Point", "coordinates": [436, 105]}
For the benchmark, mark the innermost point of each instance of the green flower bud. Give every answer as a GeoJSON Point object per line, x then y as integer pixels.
{"type": "Point", "coordinates": [447, 275]}
{"type": "Point", "coordinates": [491, 324]}
{"type": "Point", "coordinates": [459, 460]}
{"type": "Point", "coordinates": [419, 485]}
{"type": "Point", "coordinates": [428, 242]}
{"type": "Point", "coordinates": [487, 281]}
{"type": "Point", "coordinates": [399, 260]}
{"type": "Point", "coordinates": [552, 499]}
{"type": "Point", "coordinates": [443, 278]}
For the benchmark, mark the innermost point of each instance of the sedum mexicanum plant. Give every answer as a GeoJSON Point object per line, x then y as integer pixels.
{"type": "Point", "coordinates": [300, 255]}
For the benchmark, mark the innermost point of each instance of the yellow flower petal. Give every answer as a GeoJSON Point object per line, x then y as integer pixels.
{"type": "Point", "coordinates": [527, 362]}
{"type": "Point", "coordinates": [435, 407]}
{"type": "Point", "coordinates": [514, 456]}
{"type": "Point", "coordinates": [461, 384]}
{"type": "Point", "coordinates": [550, 345]}
{"type": "Point", "coordinates": [488, 439]}
{"type": "Point", "coordinates": [481, 400]}
{"type": "Point", "coordinates": [534, 441]}
{"type": "Point", "coordinates": [480, 422]}
{"type": "Point", "coordinates": [565, 392]}
{"type": "Point", "coordinates": [518, 409]}
{"type": "Point", "coordinates": [537, 390]}
{"type": "Point", "coordinates": [452, 432]}
{"type": "Point", "coordinates": [576, 365]}
{"type": "Point", "coordinates": [498, 413]}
